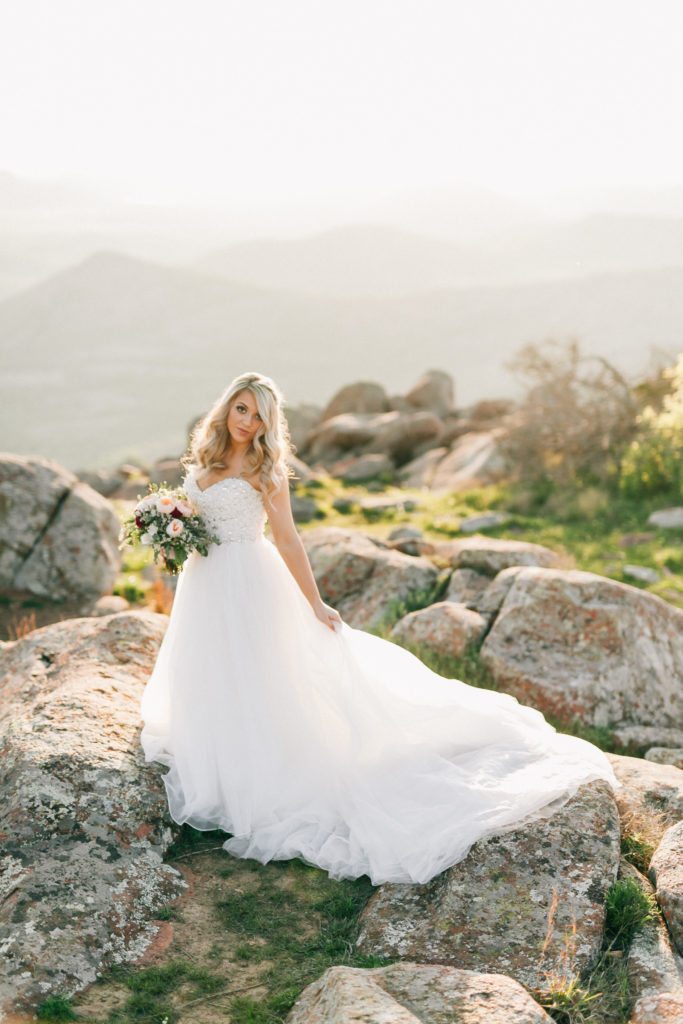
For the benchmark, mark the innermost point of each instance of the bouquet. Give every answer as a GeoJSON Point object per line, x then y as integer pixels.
{"type": "Point", "coordinates": [166, 521]}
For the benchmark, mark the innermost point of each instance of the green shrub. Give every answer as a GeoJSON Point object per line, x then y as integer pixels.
{"type": "Point", "coordinates": [627, 908]}
{"type": "Point", "coordinates": [652, 463]}
{"type": "Point", "coordinates": [56, 1008]}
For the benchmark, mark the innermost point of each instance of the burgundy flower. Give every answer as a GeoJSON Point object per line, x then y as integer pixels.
{"type": "Point", "coordinates": [177, 514]}
{"type": "Point", "coordinates": [138, 521]}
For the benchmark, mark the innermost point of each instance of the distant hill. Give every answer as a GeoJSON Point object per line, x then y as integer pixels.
{"type": "Point", "coordinates": [371, 259]}
{"type": "Point", "coordinates": [115, 356]}
{"type": "Point", "coordinates": [362, 259]}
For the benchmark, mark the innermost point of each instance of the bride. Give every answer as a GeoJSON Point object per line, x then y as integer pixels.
{"type": "Point", "coordinates": [301, 736]}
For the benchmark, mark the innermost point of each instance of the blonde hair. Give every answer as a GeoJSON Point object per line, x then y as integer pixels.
{"type": "Point", "coordinates": [270, 448]}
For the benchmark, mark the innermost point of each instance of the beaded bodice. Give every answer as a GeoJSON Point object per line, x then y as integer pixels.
{"type": "Point", "coordinates": [232, 509]}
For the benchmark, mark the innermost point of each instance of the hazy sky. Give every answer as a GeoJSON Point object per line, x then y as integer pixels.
{"type": "Point", "coordinates": [292, 99]}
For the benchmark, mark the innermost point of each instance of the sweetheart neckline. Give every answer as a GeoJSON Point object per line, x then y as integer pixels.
{"type": "Point", "coordinates": [224, 480]}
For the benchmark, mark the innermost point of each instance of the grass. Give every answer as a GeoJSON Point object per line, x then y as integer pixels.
{"type": "Point", "coordinates": [600, 995]}
{"type": "Point", "coordinates": [297, 922]}
{"type": "Point", "coordinates": [595, 529]}
{"type": "Point", "coordinates": [280, 925]}
{"type": "Point", "coordinates": [638, 851]}
{"type": "Point", "coordinates": [56, 1008]}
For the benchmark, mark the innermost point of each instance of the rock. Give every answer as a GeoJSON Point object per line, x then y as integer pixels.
{"type": "Point", "coordinates": [667, 518]}
{"type": "Point", "coordinates": [491, 554]}
{"type": "Point", "coordinates": [413, 547]}
{"type": "Point", "coordinates": [366, 467]}
{"type": "Point", "coordinates": [406, 533]}
{"type": "Point", "coordinates": [111, 604]}
{"type": "Point", "coordinates": [304, 509]}
{"type": "Point", "coordinates": [434, 391]}
{"type": "Point", "coordinates": [447, 628]}
{"type": "Point", "coordinates": [341, 433]}
{"type": "Point", "coordinates": [419, 472]}
{"type": "Point", "coordinates": [651, 797]}
{"type": "Point", "coordinates": [169, 472]}
{"type": "Point", "coordinates": [409, 540]}
{"type": "Point", "coordinates": [666, 755]}
{"type": "Point", "coordinates": [345, 504]}
{"type": "Point", "coordinates": [85, 820]}
{"type": "Point", "coordinates": [638, 738]}
{"type": "Point", "coordinates": [467, 587]}
{"type": "Point", "coordinates": [361, 579]}
{"type": "Point", "coordinates": [399, 434]}
{"type": "Point", "coordinates": [411, 993]}
{"type": "Point", "coordinates": [303, 474]}
{"type": "Point", "coordinates": [363, 396]}
{"type": "Point", "coordinates": [580, 646]}
{"type": "Point", "coordinates": [483, 522]}
{"type": "Point", "coordinates": [666, 874]}
{"type": "Point", "coordinates": [655, 973]}
{"type": "Point", "coordinates": [104, 482]}
{"type": "Point", "coordinates": [473, 461]}
{"type": "Point", "coordinates": [658, 1008]}
{"type": "Point", "coordinates": [642, 573]}
{"type": "Point", "coordinates": [489, 410]}
{"type": "Point", "coordinates": [135, 487]}
{"type": "Point", "coordinates": [301, 420]}
{"type": "Point", "coordinates": [377, 506]}
{"type": "Point", "coordinates": [491, 912]}
{"type": "Point", "coordinates": [60, 538]}
{"type": "Point", "coordinates": [496, 592]}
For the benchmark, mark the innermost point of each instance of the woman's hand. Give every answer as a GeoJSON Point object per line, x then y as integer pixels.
{"type": "Point", "coordinates": [328, 616]}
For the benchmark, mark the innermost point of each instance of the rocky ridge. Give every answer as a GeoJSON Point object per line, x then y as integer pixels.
{"type": "Point", "coordinates": [85, 825]}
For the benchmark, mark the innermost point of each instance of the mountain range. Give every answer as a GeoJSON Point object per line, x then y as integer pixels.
{"type": "Point", "coordinates": [112, 357]}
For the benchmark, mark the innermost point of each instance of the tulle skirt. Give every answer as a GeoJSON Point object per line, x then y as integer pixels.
{"type": "Point", "coordinates": [337, 747]}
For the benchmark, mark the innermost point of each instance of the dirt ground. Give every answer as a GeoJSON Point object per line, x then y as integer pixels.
{"type": "Point", "coordinates": [197, 935]}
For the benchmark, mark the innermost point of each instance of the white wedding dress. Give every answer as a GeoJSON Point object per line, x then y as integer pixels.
{"type": "Point", "coordinates": [337, 747]}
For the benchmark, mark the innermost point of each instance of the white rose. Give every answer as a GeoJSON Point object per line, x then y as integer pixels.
{"type": "Point", "coordinates": [165, 503]}
{"type": "Point", "coordinates": [145, 539]}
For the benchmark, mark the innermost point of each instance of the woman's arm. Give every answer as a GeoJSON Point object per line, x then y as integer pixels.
{"type": "Point", "coordinates": [288, 543]}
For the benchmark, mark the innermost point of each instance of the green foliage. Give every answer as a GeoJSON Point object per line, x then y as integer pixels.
{"type": "Point", "coordinates": [169, 914]}
{"type": "Point", "coordinates": [152, 987]}
{"type": "Point", "coordinates": [568, 1001]}
{"type": "Point", "coordinates": [191, 840]}
{"type": "Point", "coordinates": [129, 588]}
{"type": "Point", "coordinates": [653, 464]}
{"type": "Point", "coordinates": [300, 922]}
{"type": "Point", "coordinates": [628, 907]}
{"type": "Point", "coordinates": [637, 851]}
{"type": "Point", "coordinates": [469, 667]}
{"type": "Point", "coordinates": [599, 735]}
{"type": "Point", "coordinates": [602, 994]}
{"type": "Point", "coordinates": [56, 1008]}
{"type": "Point", "coordinates": [412, 602]}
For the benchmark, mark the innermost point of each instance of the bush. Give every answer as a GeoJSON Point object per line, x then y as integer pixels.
{"type": "Point", "coordinates": [578, 415]}
{"type": "Point", "coordinates": [652, 463]}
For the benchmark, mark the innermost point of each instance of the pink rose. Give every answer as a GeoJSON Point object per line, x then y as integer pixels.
{"type": "Point", "coordinates": [174, 528]}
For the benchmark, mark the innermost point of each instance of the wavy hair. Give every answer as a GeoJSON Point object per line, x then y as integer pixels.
{"type": "Point", "coordinates": [269, 450]}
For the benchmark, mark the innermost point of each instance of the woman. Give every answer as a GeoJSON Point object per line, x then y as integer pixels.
{"type": "Point", "coordinates": [300, 736]}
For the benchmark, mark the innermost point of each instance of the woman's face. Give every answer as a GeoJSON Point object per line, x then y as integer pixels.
{"type": "Point", "coordinates": [244, 421]}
